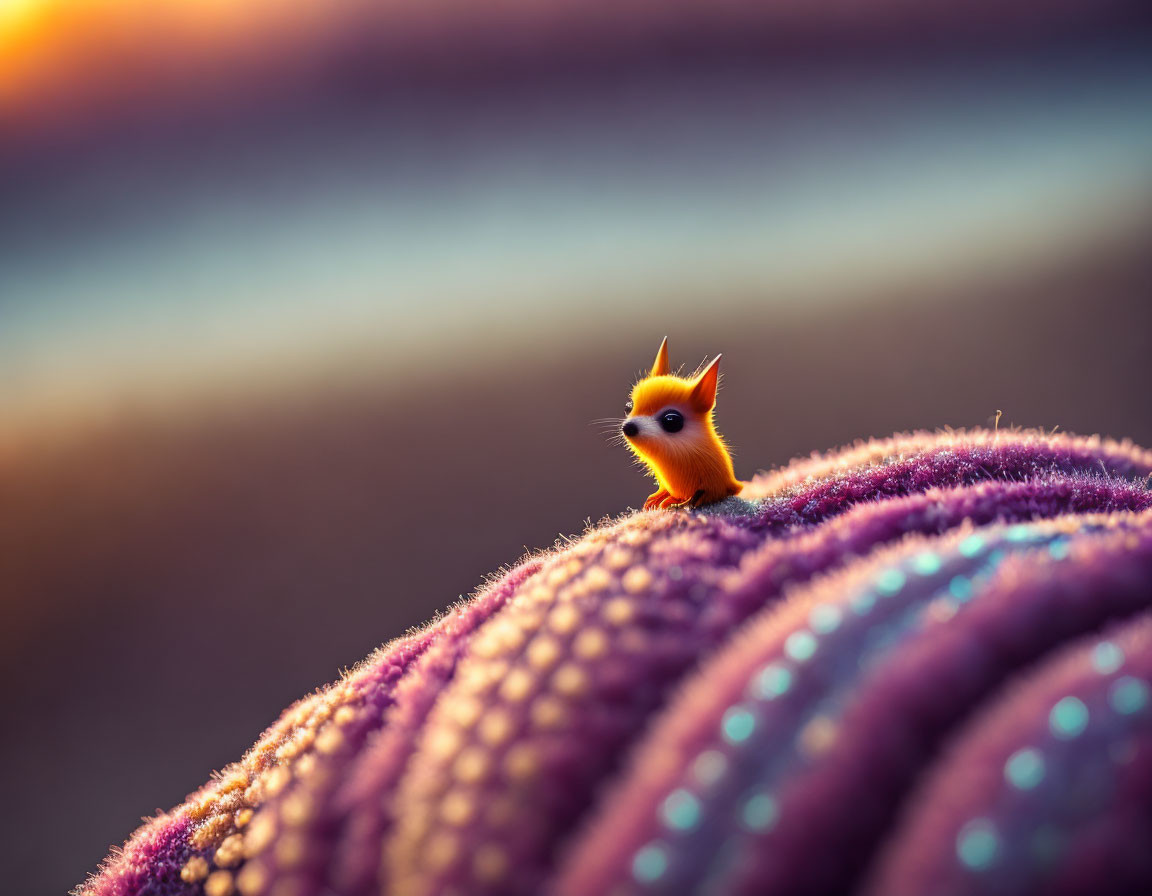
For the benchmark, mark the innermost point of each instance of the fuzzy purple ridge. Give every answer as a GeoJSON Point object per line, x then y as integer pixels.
{"type": "Point", "coordinates": [921, 664]}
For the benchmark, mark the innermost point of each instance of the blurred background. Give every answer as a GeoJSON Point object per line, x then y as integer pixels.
{"type": "Point", "coordinates": [306, 310]}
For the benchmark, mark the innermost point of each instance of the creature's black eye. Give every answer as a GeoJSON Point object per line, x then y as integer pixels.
{"type": "Point", "coordinates": [671, 421]}
{"type": "Point", "coordinates": [628, 406]}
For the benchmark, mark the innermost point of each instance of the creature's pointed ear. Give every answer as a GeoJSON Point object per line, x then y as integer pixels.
{"type": "Point", "coordinates": [703, 395]}
{"type": "Point", "coordinates": [660, 366]}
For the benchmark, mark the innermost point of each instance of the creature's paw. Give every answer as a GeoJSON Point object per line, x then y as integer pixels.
{"type": "Point", "coordinates": [696, 500]}
{"type": "Point", "coordinates": [656, 499]}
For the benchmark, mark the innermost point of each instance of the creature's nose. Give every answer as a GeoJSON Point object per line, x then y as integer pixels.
{"type": "Point", "coordinates": [630, 428]}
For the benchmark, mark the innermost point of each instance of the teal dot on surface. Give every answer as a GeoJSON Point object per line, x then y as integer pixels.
{"type": "Point", "coordinates": [800, 645]}
{"type": "Point", "coordinates": [890, 581]}
{"type": "Point", "coordinates": [977, 845]}
{"type": "Point", "coordinates": [1128, 695]}
{"type": "Point", "coordinates": [1069, 717]}
{"type": "Point", "coordinates": [927, 564]}
{"type": "Point", "coordinates": [760, 812]}
{"type": "Point", "coordinates": [681, 810]}
{"type": "Point", "coordinates": [971, 546]}
{"type": "Point", "coordinates": [1024, 768]}
{"type": "Point", "coordinates": [1018, 533]}
{"type": "Point", "coordinates": [650, 863]}
{"type": "Point", "coordinates": [1059, 549]}
{"type": "Point", "coordinates": [1107, 657]}
{"type": "Point", "coordinates": [863, 603]}
{"type": "Point", "coordinates": [710, 767]}
{"type": "Point", "coordinates": [738, 725]}
{"type": "Point", "coordinates": [825, 618]}
{"type": "Point", "coordinates": [961, 588]}
{"type": "Point", "coordinates": [773, 681]}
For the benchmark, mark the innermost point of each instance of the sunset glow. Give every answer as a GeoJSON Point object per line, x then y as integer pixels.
{"type": "Point", "coordinates": [68, 51]}
{"type": "Point", "coordinates": [50, 49]}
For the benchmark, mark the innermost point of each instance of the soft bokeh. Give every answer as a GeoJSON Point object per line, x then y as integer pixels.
{"type": "Point", "coordinates": [305, 310]}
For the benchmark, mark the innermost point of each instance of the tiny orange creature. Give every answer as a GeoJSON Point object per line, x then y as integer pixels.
{"type": "Point", "coordinates": [669, 427]}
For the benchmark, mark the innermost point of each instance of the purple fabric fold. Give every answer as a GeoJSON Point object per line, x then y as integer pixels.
{"type": "Point", "coordinates": [718, 701]}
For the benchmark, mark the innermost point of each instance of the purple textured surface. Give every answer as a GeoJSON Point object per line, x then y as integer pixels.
{"type": "Point", "coordinates": [719, 700]}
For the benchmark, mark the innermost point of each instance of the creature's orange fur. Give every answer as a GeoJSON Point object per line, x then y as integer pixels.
{"type": "Point", "coordinates": [692, 466]}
